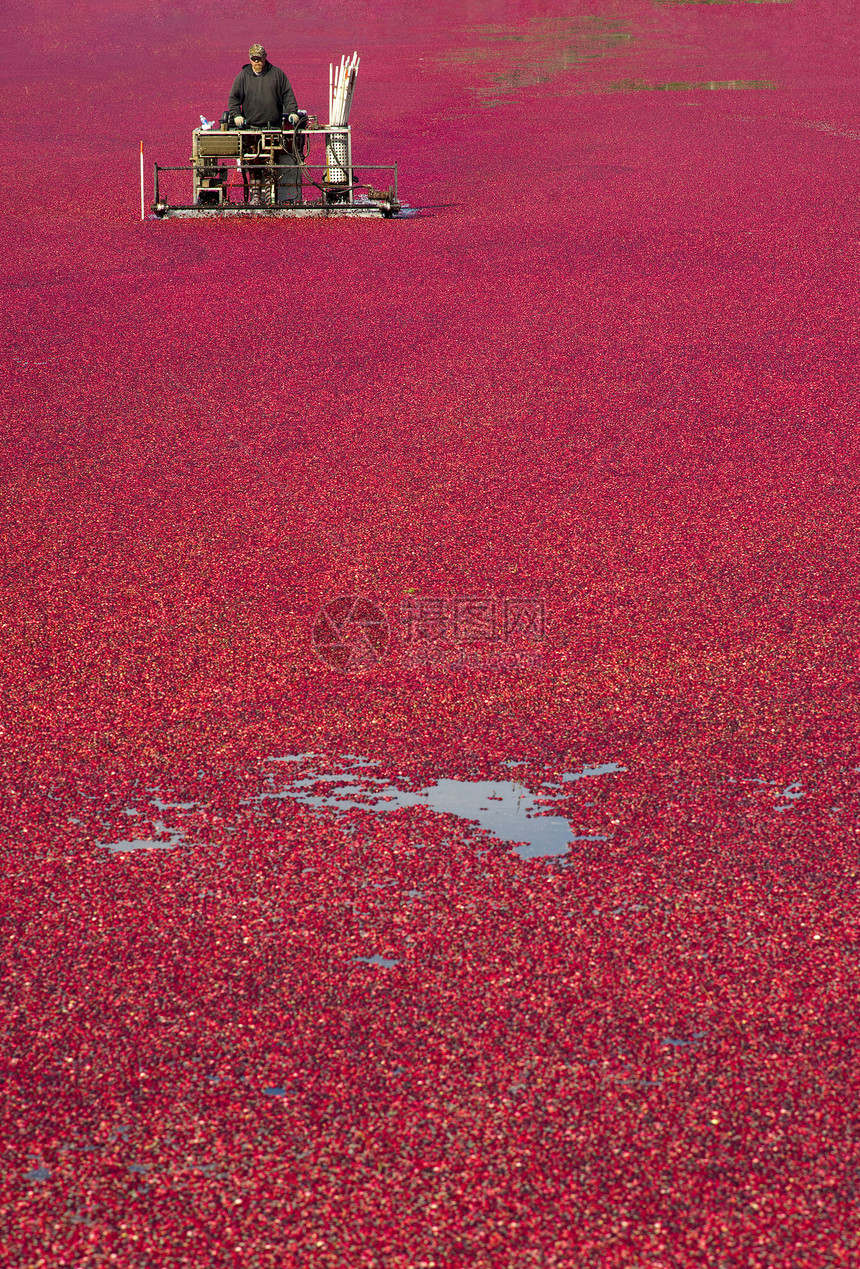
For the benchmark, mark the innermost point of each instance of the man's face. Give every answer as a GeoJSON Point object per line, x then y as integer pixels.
{"type": "Point", "coordinates": [258, 61]}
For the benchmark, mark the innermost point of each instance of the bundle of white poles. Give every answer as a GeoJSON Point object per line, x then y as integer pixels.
{"type": "Point", "coordinates": [341, 86]}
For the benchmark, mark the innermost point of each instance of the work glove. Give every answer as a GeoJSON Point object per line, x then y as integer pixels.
{"type": "Point", "coordinates": [293, 119]}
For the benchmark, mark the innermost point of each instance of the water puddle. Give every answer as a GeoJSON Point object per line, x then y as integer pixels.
{"type": "Point", "coordinates": [685, 1044]}
{"type": "Point", "coordinates": [504, 808]}
{"type": "Point", "coordinates": [784, 799]}
{"type": "Point", "coordinates": [530, 814]}
{"type": "Point", "coordinates": [538, 51]}
{"type": "Point", "coordinates": [791, 793]}
{"type": "Point", "coordinates": [509, 57]}
{"type": "Point", "coordinates": [849, 134]}
{"type": "Point", "coordinates": [169, 839]}
{"type": "Point", "coordinates": [681, 85]}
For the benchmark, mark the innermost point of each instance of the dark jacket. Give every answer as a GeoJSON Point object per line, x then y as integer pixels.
{"type": "Point", "coordinates": [263, 99]}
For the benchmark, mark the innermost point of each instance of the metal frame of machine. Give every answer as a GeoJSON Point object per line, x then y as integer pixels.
{"type": "Point", "coordinates": [243, 172]}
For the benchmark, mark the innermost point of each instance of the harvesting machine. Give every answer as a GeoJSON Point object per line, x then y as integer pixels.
{"type": "Point", "coordinates": [300, 167]}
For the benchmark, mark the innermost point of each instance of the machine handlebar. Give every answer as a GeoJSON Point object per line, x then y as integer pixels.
{"type": "Point", "coordinates": [298, 119]}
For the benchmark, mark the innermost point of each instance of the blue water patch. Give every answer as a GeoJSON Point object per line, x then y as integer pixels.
{"type": "Point", "coordinates": [790, 795]}
{"type": "Point", "coordinates": [147, 843]}
{"type": "Point", "coordinates": [504, 808]}
{"type": "Point", "coordinates": [681, 1044]}
{"type": "Point", "coordinates": [792, 792]}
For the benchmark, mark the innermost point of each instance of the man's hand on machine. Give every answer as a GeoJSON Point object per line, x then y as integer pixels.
{"type": "Point", "coordinates": [293, 119]}
{"type": "Point", "coordinates": [239, 121]}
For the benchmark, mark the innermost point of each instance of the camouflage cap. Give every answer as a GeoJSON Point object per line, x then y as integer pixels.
{"type": "Point", "coordinates": [256, 50]}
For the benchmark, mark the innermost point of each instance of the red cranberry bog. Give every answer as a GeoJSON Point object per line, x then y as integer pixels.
{"type": "Point", "coordinates": [429, 714]}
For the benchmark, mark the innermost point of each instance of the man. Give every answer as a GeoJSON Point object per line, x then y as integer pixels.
{"type": "Point", "coordinates": [260, 98]}
{"type": "Point", "coordinates": [261, 93]}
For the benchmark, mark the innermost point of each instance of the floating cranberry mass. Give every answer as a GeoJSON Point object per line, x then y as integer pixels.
{"type": "Point", "coordinates": [429, 732]}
